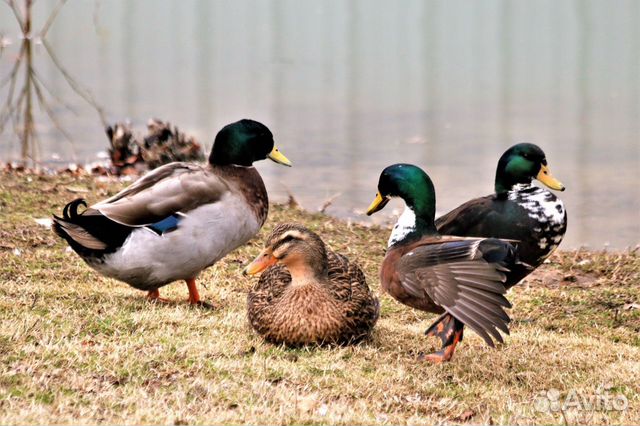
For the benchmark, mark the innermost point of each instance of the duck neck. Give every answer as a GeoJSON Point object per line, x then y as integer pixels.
{"type": "Point", "coordinates": [506, 182]}
{"type": "Point", "coordinates": [411, 225]}
{"type": "Point", "coordinates": [304, 273]}
{"type": "Point", "coordinates": [503, 192]}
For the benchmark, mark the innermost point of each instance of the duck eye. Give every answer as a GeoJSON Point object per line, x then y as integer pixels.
{"type": "Point", "coordinates": [286, 239]}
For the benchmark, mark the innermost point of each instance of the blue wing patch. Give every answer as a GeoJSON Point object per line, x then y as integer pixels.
{"type": "Point", "coordinates": [166, 225]}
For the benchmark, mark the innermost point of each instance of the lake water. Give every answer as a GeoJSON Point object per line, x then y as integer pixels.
{"type": "Point", "coordinates": [349, 87]}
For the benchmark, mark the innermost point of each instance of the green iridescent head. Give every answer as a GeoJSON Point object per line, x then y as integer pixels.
{"type": "Point", "coordinates": [243, 142]}
{"type": "Point", "coordinates": [410, 183]}
{"type": "Point", "coordinates": [520, 164]}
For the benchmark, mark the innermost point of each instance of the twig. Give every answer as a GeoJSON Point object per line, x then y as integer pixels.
{"type": "Point", "coordinates": [26, 330]}
{"type": "Point", "coordinates": [27, 117]}
{"type": "Point", "coordinates": [14, 70]}
{"type": "Point", "coordinates": [19, 18]}
{"type": "Point", "coordinates": [328, 202]}
{"type": "Point", "coordinates": [52, 94]}
{"type": "Point", "coordinates": [74, 85]}
{"type": "Point", "coordinates": [47, 109]}
{"type": "Point", "coordinates": [51, 18]}
{"type": "Point", "coordinates": [292, 203]}
{"type": "Point", "coordinates": [564, 417]}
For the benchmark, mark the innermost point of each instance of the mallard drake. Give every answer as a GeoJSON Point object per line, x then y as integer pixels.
{"type": "Point", "coordinates": [462, 277]}
{"type": "Point", "coordinates": [313, 296]}
{"type": "Point", "coordinates": [518, 210]}
{"type": "Point", "coordinates": [178, 219]}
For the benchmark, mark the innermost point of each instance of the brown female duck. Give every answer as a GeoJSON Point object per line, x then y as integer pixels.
{"type": "Point", "coordinates": [314, 296]}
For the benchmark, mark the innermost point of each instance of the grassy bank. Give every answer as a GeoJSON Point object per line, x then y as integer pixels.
{"type": "Point", "coordinates": [79, 348]}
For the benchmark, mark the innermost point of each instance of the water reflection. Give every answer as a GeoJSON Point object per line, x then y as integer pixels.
{"type": "Point", "coordinates": [25, 89]}
{"type": "Point", "coordinates": [350, 87]}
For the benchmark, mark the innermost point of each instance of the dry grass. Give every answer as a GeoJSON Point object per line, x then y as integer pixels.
{"type": "Point", "coordinates": [79, 348]}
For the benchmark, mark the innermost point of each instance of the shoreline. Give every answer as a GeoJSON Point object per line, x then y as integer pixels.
{"type": "Point", "coordinates": [386, 222]}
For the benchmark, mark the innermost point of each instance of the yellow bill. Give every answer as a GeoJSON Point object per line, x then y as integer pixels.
{"type": "Point", "coordinates": [278, 157]}
{"type": "Point", "coordinates": [378, 204]}
{"type": "Point", "coordinates": [260, 263]}
{"type": "Point", "coordinates": [544, 176]}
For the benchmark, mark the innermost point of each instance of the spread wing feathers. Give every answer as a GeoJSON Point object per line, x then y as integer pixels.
{"type": "Point", "coordinates": [466, 278]}
{"type": "Point", "coordinates": [172, 188]}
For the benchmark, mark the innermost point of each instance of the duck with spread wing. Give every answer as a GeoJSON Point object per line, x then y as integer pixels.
{"type": "Point", "coordinates": [459, 277]}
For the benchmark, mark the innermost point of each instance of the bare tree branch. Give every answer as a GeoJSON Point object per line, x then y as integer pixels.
{"type": "Point", "coordinates": [14, 70]}
{"type": "Point", "coordinates": [22, 96]}
{"type": "Point", "coordinates": [52, 94]}
{"type": "Point", "coordinates": [45, 106]}
{"type": "Point", "coordinates": [51, 18]}
{"type": "Point", "coordinates": [11, 104]}
{"type": "Point", "coordinates": [16, 11]}
{"type": "Point", "coordinates": [74, 85]}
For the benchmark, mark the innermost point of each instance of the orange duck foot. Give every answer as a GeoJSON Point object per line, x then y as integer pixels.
{"type": "Point", "coordinates": [154, 296]}
{"type": "Point", "coordinates": [194, 296]}
{"type": "Point", "coordinates": [450, 332]}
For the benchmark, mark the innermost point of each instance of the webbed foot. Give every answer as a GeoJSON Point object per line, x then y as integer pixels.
{"type": "Point", "coordinates": [450, 332]}
{"type": "Point", "coordinates": [204, 305]}
{"type": "Point", "coordinates": [194, 296]}
{"type": "Point", "coordinates": [154, 296]}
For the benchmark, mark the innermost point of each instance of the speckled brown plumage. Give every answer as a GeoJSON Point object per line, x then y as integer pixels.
{"type": "Point", "coordinates": [338, 309]}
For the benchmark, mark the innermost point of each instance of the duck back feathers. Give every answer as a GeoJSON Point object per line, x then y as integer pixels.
{"type": "Point", "coordinates": [531, 215]}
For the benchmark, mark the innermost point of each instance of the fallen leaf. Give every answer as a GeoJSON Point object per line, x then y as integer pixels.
{"type": "Point", "coordinates": [323, 410]}
{"type": "Point", "coordinates": [466, 416]}
{"type": "Point", "coordinates": [76, 189]}
{"type": "Point", "coordinates": [308, 403]}
{"type": "Point", "coordinates": [44, 221]}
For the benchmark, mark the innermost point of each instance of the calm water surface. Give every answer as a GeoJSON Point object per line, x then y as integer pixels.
{"type": "Point", "coordinates": [349, 87]}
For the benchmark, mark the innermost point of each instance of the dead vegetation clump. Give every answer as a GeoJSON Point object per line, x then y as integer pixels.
{"type": "Point", "coordinates": [133, 154]}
